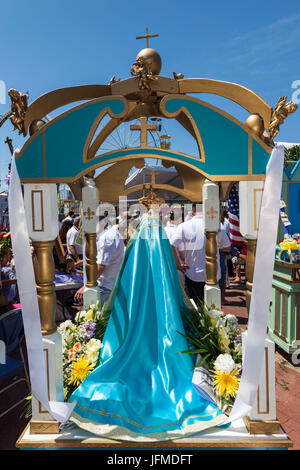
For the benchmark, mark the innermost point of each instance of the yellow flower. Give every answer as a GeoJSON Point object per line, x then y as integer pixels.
{"type": "Point", "coordinates": [289, 245]}
{"type": "Point", "coordinates": [89, 314]}
{"type": "Point", "coordinates": [226, 385]}
{"type": "Point", "coordinates": [224, 340]}
{"type": "Point", "coordinates": [80, 370]}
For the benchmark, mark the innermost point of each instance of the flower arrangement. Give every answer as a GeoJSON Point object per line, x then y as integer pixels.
{"type": "Point", "coordinates": [288, 249]}
{"type": "Point", "coordinates": [5, 246]}
{"type": "Point", "coordinates": [81, 344]}
{"type": "Point", "coordinates": [217, 341]}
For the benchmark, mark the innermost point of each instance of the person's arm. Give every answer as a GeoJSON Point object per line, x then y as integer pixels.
{"type": "Point", "coordinates": [78, 296]}
{"type": "Point", "coordinates": [226, 250]}
{"type": "Point", "coordinates": [179, 260]}
{"type": "Point", "coordinates": [177, 244]}
{"type": "Point", "coordinates": [74, 252]}
{"type": "Point", "coordinates": [100, 269]}
{"type": "Point", "coordinates": [223, 241]}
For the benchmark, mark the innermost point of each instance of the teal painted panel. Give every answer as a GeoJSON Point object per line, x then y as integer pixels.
{"type": "Point", "coordinates": [225, 142]}
{"type": "Point", "coordinates": [260, 158]}
{"type": "Point", "coordinates": [64, 142]}
{"type": "Point", "coordinates": [30, 165]}
{"type": "Point", "coordinates": [66, 138]}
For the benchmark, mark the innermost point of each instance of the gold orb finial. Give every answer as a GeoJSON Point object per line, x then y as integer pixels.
{"type": "Point", "coordinates": [152, 59]}
{"type": "Point", "coordinates": [255, 123]}
{"type": "Point", "coordinates": [36, 126]}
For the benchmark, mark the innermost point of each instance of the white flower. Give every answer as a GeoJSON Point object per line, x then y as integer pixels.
{"type": "Point", "coordinates": [224, 340]}
{"type": "Point", "coordinates": [92, 349]}
{"type": "Point", "coordinates": [93, 345]}
{"type": "Point", "coordinates": [216, 318]}
{"type": "Point", "coordinates": [224, 363]}
{"type": "Point", "coordinates": [80, 315]}
{"type": "Point", "coordinates": [64, 326]}
{"type": "Point", "coordinates": [238, 348]}
{"type": "Point", "coordinates": [231, 319]}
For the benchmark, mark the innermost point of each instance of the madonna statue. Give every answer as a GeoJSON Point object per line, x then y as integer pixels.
{"type": "Point", "coordinates": [142, 388]}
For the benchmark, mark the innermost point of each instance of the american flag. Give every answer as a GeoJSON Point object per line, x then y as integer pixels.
{"type": "Point", "coordinates": [236, 238]}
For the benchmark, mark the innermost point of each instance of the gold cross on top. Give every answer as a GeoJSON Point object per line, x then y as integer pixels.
{"type": "Point", "coordinates": [144, 127]}
{"type": "Point", "coordinates": [8, 141]}
{"type": "Point", "coordinates": [153, 174]}
{"type": "Point", "coordinates": [147, 36]}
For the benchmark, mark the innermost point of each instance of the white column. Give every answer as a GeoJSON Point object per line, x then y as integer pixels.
{"type": "Point", "coordinates": [42, 222]}
{"type": "Point", "coordinates": [250, 197]}
{"type": "Point", "coordinates": [90, 202]}
{"type": "Point", "coordinates": [264, 407]}
{"type": "Point", "coordinates": [211, 221]}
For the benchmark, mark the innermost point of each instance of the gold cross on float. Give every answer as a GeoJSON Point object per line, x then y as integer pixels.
{"type": "Point", "coordinates": [88, 214]}
{"type": "Point", "coordinates": [153, 174]}
{"type": "Point", "coordinates": [147, 36]}
{"type": "Point", "coordinates": [212, 213]}
{"type": "Point", "coordinates": [144, 127]}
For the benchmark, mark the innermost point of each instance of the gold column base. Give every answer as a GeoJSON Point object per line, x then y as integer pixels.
{"type": "Point", "coordinates": [91, 260]}
{"type": "Point", "coordinates": [44, 271]}
{"type": "Point", "coordinates": [262, 427]}
{"type": "Point", "coordinates": [44, 427]}
{"type": "Point", "coordinates": [211, 251]}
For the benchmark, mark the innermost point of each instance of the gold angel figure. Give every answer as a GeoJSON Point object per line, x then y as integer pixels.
{"type": "Point", "coordinates": [280, 113]}
{"type": "Point", "coordinates": [19, 104]}
{"type": "Point", "coordinates": [151, 199]}
{"type": "Point", "coordinates": [142, 70]}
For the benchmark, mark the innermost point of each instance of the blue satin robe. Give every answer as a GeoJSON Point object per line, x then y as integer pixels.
{"type": "Point", "coordinates": [143, 383]}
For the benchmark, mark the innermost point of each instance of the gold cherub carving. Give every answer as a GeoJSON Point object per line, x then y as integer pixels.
{"type": "Point", "coordinates": [142, 70]}
{"type": "Point", "coordinates": [280, 113]}
{"type": "Point", "coordinates": [19, 104]}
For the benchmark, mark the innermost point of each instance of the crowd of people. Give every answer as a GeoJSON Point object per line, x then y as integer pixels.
{"type": "Point", "coordinates": [187, 240]}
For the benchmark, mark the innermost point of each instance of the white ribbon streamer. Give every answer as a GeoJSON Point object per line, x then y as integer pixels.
{"type": "Point", "coordinates": [60, 411]}
{"type": "Point", "coordinates": [262, 285]}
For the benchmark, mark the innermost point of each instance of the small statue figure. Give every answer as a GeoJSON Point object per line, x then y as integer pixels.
{"type": "Point", "coordinates": [113, 80]}
{"type": "Point", "coordinates": [19, 104]}
{"type": "Point", "coordinates": [178, 76]}
{"type": "Point", "coordinates": [280, 113]}
{"type": "Point", "coordinates": [151, 199]}
{"type": "Point", "coordinates": [142, 70]}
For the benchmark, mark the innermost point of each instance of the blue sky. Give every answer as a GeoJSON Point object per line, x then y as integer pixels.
{"type": "Point", "coordinates": [49, 45]}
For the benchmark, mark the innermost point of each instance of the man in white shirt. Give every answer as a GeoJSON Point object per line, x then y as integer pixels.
{"type": "Point", "coordinates": [170, 226]}
{"type": "Point", "coordinates": [110, 253]}
{"type": "Point", "coordinates": [70, 216]}
{"type": "Point", "coordinates": [73, 248]}
{"type": "Point", "coordinates": [191, 236]}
